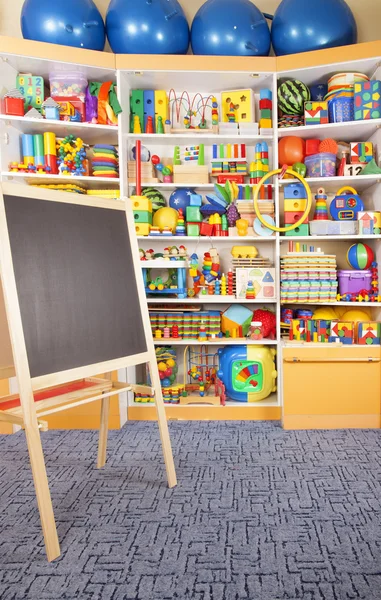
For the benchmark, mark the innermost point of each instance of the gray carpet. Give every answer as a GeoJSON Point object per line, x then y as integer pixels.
{"type": "Point", "coordinates": [259, 514]}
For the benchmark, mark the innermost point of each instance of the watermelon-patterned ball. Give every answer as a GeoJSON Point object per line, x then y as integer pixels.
{"type": "Point", "coordinates": [292, 94]}
{"type": "Point", "coordinates": [156, 197]}
{"type": "Point", "coordinates": [360, 256]}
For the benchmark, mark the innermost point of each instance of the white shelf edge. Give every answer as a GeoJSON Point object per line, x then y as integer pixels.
{"type": "Point", "coordinates": [208, 300]}
{"type": "Point", "coordinates": [63, 124]}
{"type": "Point", "coordinates": [184, 238]}
{"type": "Point", "coordinates": [63, 178]}
{"type": "Point", "coordinates": [222, 342]}
{"type": "Point", "coordinates": [322, 238]}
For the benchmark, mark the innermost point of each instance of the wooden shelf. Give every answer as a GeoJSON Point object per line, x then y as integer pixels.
{"type": "Point", "coordinates": [206, 239]}
{"type": "Point", "coordinates": [324, 238]}
{"type": "Point", "coordinates": [208, 300]}
{"type": "Point", "coordinates": [221, 342]}
{"type": "Point", "coordinates": [333, 184]}
{"type": "Point", "coordinates": [54, 179]}
{"type": "Point", "coordinates": [202, 138]}
{"type": "Point", "coordinates": [346, 132]}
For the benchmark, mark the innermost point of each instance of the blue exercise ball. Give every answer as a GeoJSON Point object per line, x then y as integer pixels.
{"type": "Point", "coordinates": [180, 198]}
{"type": "Point", "coordinates": [301, 26]}
{"type": "Point", "coordinates": [147, 27]}
{"type": "Point", "coordinates": [230, 28]}
{"type": "Point", "coordinates": [68, 23]}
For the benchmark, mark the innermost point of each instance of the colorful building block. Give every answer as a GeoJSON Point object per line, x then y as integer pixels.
{"type": "Point", "coordinates": [265, 123]}
{"type": "Point", "coordinates": [137, 109]}
{"type": "Point", "coordinates": [263, 104]}
{"type": "Point", "coordinates": [367, 100]}
{"type": "Point", "coordinates": [369, 333]}
{"type": "Point", "coordinates": [312, 147]}
{"type": "Point", "coordinates": [300, 231]}
{"type": "Point", "coordinates": [141, 203]}
{"type": "Point", "coordinates": [361, 152]}
{"type": "Point", "coordinates": [32, 88]}
{"type": "Point", "coordinates": [193, 229]}
{"type": "Point", "coordinates": [143, 229]}
{"type": "Point", "coordinates": [149, 107]}
{"type": "Point", "coordinates": [295, 205]}
{"type": "Point", "coordinates": [265, 94]}
{"type": "Point", "coordinates": [316, 113]}
{"type": "Point", "coordinates": [266, 113]}
{"type": "Point", "coordinates": [294, 191]}
{"type": "Point", "coordinates": [294, 216]}
{"type": "Point", "coordinates": [161, 106]}
{"type": "Point", "coordinates": [369, 222]}
{"type": "Point", "coordinates": [193, 214]}
{"type": "Point", "coordinates": [143, 216]}
{"type": "Point", "coordinates": [263, 281]}
{"type": "Point", "coordinates": [195, 200]}
{"type": "Point", "coordinates": [342, 331]}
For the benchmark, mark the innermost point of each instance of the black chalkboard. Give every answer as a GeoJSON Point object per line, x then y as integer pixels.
{"type": "Point", "coordinates": [76, 284]}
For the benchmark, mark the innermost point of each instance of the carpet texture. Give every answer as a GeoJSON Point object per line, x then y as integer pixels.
{"type": "Point", "coordinates": [259, 514]}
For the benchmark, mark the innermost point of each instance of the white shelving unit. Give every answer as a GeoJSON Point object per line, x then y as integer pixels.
{"type": "Point", "coordinates": [129, 74]}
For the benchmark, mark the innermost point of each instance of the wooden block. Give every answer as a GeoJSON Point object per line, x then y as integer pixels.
{"type": "Point", "coordinates": [137, 107]}
{"type": "Point", "coordinates": [353, 170]}
{"type": "Point", "coordinates": [302, 230]}
{"type": "Point", "coordinates": [161, 106]}
{"type": "Point", "coordinates": [243, 101]}
{"type": "Point", "coordinates": [141, 203]}
{"type": "Point", "coordinates": [142, 216]}
{"type": "Point", "coordinates": [190, 174]}
{"type": "Point", "coordinates": [143, 229]}
{"type": "Point", "coordinates": [316, 113]}
{"type": "Point", "coordinates": [295, 205]}
{"type": "Point", "coordinates": [294, 216]}
{"type": "Point", "coordinates": [361, 152]}
{"type": "Point", "coordinates": [265, 124]}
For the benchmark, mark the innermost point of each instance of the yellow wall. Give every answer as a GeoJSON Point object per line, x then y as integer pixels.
{"type": "Point", "coordinates": [367, 14]}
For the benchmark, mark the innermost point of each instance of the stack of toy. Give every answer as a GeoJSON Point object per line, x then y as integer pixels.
{"type": "Point", "coordinates": [361, 283]}
{"type": "Point", "coordinates": [180, 227]}
{"type": "Point", "coordinates": [321, 210]}
{"type": "Point", "coordinates": [308, 277]}
{"type": "Point", "coordinates": [71, 156]}
{"type": "Point", "coordinates": [105, 161]}
{"type": "Point", "coordinates": [194, 216]}
{"type": "Point", "coordinates": [295, 204]}
{"type": "Point", "coordinates": [260, 166]}
{"type": "Point", "coordinates": [266, 109]}
{"type": "Point", "coordinates": [142, 209]}
{"type": "Point", "coordinates": [186, 324]}
{"type": "Point", "coordinates": [229, 161]}
{"type": "Point", "coordinates": [323, 331]}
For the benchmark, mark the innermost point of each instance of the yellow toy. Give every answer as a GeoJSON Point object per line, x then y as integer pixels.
{"type": "Point", "coordinates": [166, 217]}
{"type": "Point", "coordinates": [243, 102]}
{"type": "Point", "coordinates": [244, 252]}
{"type": "Point", "coordinates": [242, 227]}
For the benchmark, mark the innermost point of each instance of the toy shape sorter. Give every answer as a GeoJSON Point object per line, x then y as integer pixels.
{"type": "Point", "coordinates": [248, 372]}
{"type": "Point", "coordinates": [263, 281]}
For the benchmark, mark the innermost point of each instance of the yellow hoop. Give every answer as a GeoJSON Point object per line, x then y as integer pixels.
{"type": "Point", "coordinates": [306, 212]}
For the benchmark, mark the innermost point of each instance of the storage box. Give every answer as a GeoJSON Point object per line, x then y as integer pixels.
{"type": "Point", "coordinates": [190, 174]}
{"type": "Point", "coordinates": [333, 227]}
{"type": "Point", "coordinates": [352, 282]}
{"type": "Point", "coordinates": [67, 83]}
{"type": "Point", "coordinates": [321, 165]}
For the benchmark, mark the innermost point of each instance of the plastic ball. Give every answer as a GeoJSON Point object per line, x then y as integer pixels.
{"type": "Point", "coordinates": [155, 159]}
{"type": "Point", "coordinates": [180, 198]}
{"type": "Point", "coordinates": [166, 217]}
{"type": "Point", "coordinates": [356, 315]}
{"type": "Point", "coordinates": [166, 382]}
{"type": "Point", "coordinates": [360, 256]}
{"type": "Point", "coordinates": [230, 28]}
{"type": "Point", "coordinates": [172, 378]}
{"type": "Point", "coordinates": [301, 26]}
{"type": "Point", "coordinates": [144, 153]}
{"type": "Point", "coordinates": [326, 314]}
{"type": "Point", "coordinates": [292, 150]}
{"type": "Point", "coordinates": [75, 23]}
{"type": "Point", "coordinates": [166, 171]}
{"type": "Point", "coordinates": [146, 27]}
{"type": "Point", "coordinates": [156, 197]}
{"type": "Point", "coordinates": [162, 366]}
{"type": "Point", "coordinates": [171, 362]}
{"type": "Point", "coordinates": [161, 375]}
{"type": "Point", "coordinates": [292, 94]}
{"type": "Point", "coordinates": [160, 167]}
{"type": "Point", "coordinates": [168, 372]}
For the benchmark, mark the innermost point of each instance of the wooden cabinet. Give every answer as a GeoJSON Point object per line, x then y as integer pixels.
{"type": "Point", "coordinates": [330, 388]}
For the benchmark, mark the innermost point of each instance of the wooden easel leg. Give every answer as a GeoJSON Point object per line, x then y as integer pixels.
{"type": "Point", "coordinates": [41, 485]}
{"type": "Point", "coordinates": [103, 433]}
{"type": "Point", "coordinates": [163, 425]}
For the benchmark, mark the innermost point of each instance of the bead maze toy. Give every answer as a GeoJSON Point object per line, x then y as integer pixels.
{"type": "Point", "coordinates": [248, 372]}
{"type": "Point", "coordinates": [189, 165]}
{"type": "Point", "coordinates": [201, 383]}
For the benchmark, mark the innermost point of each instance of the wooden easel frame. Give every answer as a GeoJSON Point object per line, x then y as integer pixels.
{"type": "Point", "coordinates": [29, 413]}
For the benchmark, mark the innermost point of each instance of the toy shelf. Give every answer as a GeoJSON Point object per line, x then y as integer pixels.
{"type": "Point", "coordinates": [195, 240]}
{"type": "Point", "coordinates": [218, 342]}
{"type": "Point", "coordinates": [172, 139]}
{"type": "Point", "coordinates": [354, 304]}
{"type": "Point", "coordinates": [348, 131]}
{"type": "Point", "coordinates": [37, 178]}
{"type": "Point", "coordinates": [208, 300]}
{"type": "Point", "coordinates": [333, 184]}
{"type": "Point", "coordinates": [97, 134]}
{"type": "Point", "coordinates": [324, 238]}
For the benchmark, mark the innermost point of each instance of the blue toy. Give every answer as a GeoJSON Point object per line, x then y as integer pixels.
{"type": "Point", "coordinates": [70, 23]}
{"type": "Point", "coordinates": [301, 26]}
{"type": "Point", "coordinates": [230, 28]}
{"type": "Point", "coordinates": [147, 27]}
{"type": "Point", "coordinates": [181, 198]}
{"type": "Point", "coordinates": [248, 372]}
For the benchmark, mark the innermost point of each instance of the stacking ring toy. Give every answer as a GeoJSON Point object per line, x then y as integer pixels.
{"type": "Point", "coordinates": [306, 212]}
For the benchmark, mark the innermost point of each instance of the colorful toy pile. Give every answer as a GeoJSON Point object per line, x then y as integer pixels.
{"type": "Point", "coordinates": [105, 162]}
{"type": "Point", "coordinates": [295, 204]}
{"type": "Point", "coordinates": [345, 97]}
{"type": "Point", "coordinates": [72, 98]}
{"type": "Point", "coordinates": [334, 331]}
{"type": "Point", "coordinates": [71, 156]}
{"type": "Point", "coordinates": [361, 284]}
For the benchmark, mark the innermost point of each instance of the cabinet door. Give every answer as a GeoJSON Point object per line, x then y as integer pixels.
{"type": "Point", "coordinates": [331, 388]}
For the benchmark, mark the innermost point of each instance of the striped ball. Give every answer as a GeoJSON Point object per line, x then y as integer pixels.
{"type": "Point", "coordinates": [292, 94]}
{"type": "Point", "coordinates": [360, 256]}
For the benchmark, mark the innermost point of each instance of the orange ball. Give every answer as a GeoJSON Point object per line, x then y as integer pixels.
{"type": "Point", "coordinates": [292, 150]}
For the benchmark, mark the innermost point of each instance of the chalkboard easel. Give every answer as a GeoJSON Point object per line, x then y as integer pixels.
{"type": "Point", "coordinates": [75, 306]}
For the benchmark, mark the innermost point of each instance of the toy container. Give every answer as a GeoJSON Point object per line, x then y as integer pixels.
{"type": "Point", "coordinates": [67, 83]}
{"type": "Point", "coordinates": [321, 165]}
{"type": "Point", "coordinates": [333, 227]}
{"type": "Point", "coordinates": [352, 282]}
{"type": "Point", "coordinates": [341, 108]}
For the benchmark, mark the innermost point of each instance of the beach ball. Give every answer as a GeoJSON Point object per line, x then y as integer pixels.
{"type": "Point", "coordinates": [292, 94]}
{"type": "Point", "coordinates": [360, 256]}
{"type": "Point", "coordinates": [180, 198]}
{"type": "Point", "coordinates": [302, 25]}
{"type": "Point", "coordinates": [147, 27]}
{"type": "Point", "coordinates": [166, 217]}
{"type": "Point", "coordinates": [230, 28]}
{"type": "Point", "coordinates": [70, 23]}
{"type": "Point", "coordinates": [291, 150]}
